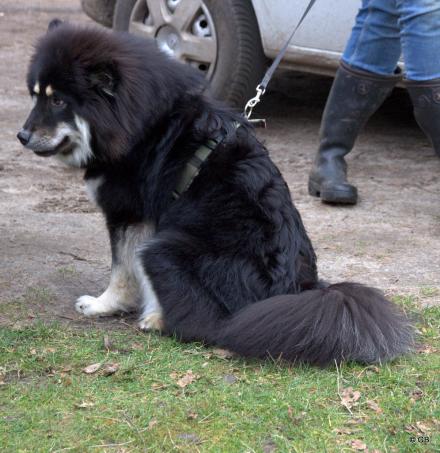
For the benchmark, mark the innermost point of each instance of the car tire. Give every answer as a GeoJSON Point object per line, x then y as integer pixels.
{"type": "Point", "coordinates": [100, 11]}
{"type": "Point", "coordinates": [240, 61]}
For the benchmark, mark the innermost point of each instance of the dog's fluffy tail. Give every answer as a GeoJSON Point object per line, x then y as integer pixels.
{"type": "Point", "coordinates": [345, 321]}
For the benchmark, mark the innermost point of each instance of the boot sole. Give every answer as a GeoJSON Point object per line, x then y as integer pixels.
{"type": "Point", "coordinates": [332, 196]}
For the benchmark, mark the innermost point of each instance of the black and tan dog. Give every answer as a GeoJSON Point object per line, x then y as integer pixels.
{"type": "Point", "coordinates": [206, 242]}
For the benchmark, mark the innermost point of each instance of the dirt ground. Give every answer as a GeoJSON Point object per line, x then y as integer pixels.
{"type": "Point", "coordinates": [53, 244]}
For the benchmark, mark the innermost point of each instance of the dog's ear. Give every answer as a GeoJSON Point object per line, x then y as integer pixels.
{"type": "Point", "coordinates": [103, 78]}
{"type": "Point", "coordinates": [54, 23]}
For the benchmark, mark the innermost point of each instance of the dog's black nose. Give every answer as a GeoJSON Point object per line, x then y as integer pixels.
{"type": "Point", "coordinates": [24, 136]}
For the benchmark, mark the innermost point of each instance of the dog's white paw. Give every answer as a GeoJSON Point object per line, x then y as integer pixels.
{"type": "Point", "coordinates": [90, 306]}
{"type": "Point", "coordinates": [152, 321]}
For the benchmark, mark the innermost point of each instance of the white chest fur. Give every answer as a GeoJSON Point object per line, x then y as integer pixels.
{"type": "Point", "coordinates": [92, 187]}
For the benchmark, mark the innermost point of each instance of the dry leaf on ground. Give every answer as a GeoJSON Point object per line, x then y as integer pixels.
{"type": "Point", "coordinates": [152, 423]}
{"type": "Point", "coordinates": [423, 427]}
{"type": "Point", "coordinates": [393, 430]}
{"type": "Point", "coordinates": [411, 429]}
{"type": "Point", "coordinates": [66, 380]}
{"type": "Point", "coordinates": [369, 370]}
{"type": "Point", "coordinates": [419, 428]}
{"type": "Point", "coordinates": [186, 379]}
{"type": "Point", "coordinates": [358, 445]}
{"type": "Point", "coordinates": [92, 368]}
{"type": "Point", "coordinates": [296, 418]}
{"type": "Point", "coordinates": [84, 405]}
{"type": "Point", "coordinates": [110, 368]}
{"type": "Point", "coordinates": [189, 437]}
{"type": "Point", "coordinates": [374, 406]}
{"type": "Point", "coordinates": [223, 353]}
{"type": "Point", "coordinates": [426, 349]}
{"type": "Point", "coordinates": [355, 421]}
{"type": "Point", "coordinates": [349, 397]}
{"type": "Point", "coordinates": [416, 394]}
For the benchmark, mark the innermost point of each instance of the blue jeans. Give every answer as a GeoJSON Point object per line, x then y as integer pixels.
{"type": "Point", "coordinates": [385, 29]}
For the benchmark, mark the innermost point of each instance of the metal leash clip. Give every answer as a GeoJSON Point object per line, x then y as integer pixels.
{"type": "Point", "coordinates": [261, 88]}
{"type": "Point", "coordinates": [250, 107]}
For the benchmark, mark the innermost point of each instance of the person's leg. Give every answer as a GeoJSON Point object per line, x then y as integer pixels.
{"type": "Point", "coordinates": [364, 79]}
{"type": "Point", "coordinates": [419, 22]}
{"type": "Point", "coordinates": [420, 36]}
{"type": "Point", "coordinates": [374, 44]}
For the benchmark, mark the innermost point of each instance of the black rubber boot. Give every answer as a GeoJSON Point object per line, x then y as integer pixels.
{"type": "Point", "coordinates": [355, 95]}
{"type": "Point", "coordinates": [425, 97]}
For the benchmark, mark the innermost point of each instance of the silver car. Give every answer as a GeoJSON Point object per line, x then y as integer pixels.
{"type": "Point", "coordinates": [231, 41]}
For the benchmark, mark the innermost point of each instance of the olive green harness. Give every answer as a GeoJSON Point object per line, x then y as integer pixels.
{"type": "Point", "coordinates": [193, 166]}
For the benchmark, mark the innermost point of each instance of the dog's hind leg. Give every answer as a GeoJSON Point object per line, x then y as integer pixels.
{"type": "Point", "coordinates": [125, 290]}
{"type": "Point", "coordinates": [176, 302]}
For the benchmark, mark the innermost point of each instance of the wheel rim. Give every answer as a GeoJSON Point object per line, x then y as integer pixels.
{"type": "Point", "coordinates": [183, 29]}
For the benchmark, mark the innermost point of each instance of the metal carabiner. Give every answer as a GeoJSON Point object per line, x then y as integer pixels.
{"type": "Point", "coordinates": [253, 102]}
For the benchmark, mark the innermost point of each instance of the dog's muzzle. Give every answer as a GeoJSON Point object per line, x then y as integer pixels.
{"type": "Point", "coordinates": [44, 146]}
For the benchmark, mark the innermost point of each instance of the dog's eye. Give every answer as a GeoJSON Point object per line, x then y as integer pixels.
{"type": "Point", "coordinates": [57, 101]}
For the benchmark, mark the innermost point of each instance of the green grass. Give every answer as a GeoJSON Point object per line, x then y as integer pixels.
{"type": "Point", "coordinates": [19, 308]}
{"type": "Point", "coordinates": [47, 402]}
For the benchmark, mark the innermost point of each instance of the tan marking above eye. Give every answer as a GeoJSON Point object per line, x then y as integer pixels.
{"type": "Point", "coordinates": [49, 90]}
{"type": "Point", "coordinates": [37, 88]}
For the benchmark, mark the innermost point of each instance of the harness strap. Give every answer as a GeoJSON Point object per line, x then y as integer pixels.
{"type": "Point", "coordinates": [192, 167]}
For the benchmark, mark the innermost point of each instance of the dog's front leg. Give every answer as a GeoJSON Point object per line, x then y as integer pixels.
{"type": "Point", "coordinates": [124, 290]}
{"type": "Point", "coordinates": [151, 310]}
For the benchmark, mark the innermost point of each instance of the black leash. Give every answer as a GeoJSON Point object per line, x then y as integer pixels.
{"type": "Point", "coordinates": [261, 88]}
{"type": "Point", "coordinates": [193, 166]}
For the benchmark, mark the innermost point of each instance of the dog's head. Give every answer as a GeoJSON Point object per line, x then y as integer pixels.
{"type": "Point", "coordinates": [54, 127]}
{"type": "Point", "coordinates": [98, 93]}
